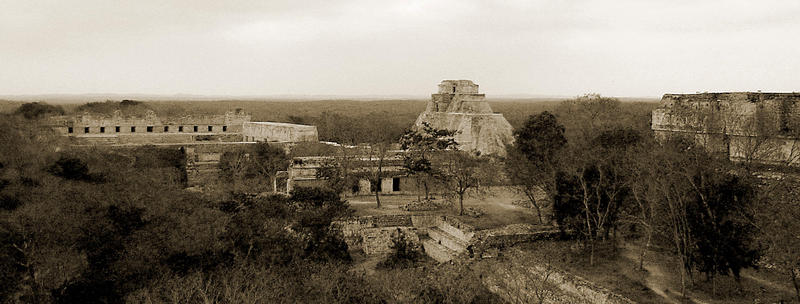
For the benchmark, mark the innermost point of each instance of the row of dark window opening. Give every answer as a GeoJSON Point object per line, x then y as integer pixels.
{"type": "Point", "coordinates": [149, 129]}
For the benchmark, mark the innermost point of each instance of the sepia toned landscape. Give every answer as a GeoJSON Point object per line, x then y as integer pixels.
{"type": "Point", "coordinates": [436, 151]}
{"type": "Point", "coordinates": [583, 200]}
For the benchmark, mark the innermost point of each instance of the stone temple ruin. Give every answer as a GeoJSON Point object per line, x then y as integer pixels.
{"type": "Point", "coordinates": [745, 126]}
{"type": "Point", "coordinates": [151, 129]}
{"type": "Point", "coordinates": [458, 106]}
{"type": "Point", "coordinates": [203, 138]}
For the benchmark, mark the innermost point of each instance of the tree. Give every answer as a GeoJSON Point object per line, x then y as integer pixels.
{"type": "Point", "coordinates": [254, 163]}
{"type": "Point", "coordinates": [703, 209]}
{"type": "Point", "coordinates": [70, 168]}
{"type": "Point", "coordinates": [461, 172]}
{"type": "Point", "coordinates": [338, 172]}
{"type": "Point", "coordinates": [594, 180]}
{"type": "Point", "coordinates": [377, 155]}
{"type": "Point", "coordinates": [586, 116]}
{"type": "Point", "coordinates": [374, 163]}
{"type": "Point", "coordinates": [36, 110]}
{"type": "Point", "coordinates": [775, 218]}
{"type": "Point", "coordinates": [419, 145]}
{"type": "Point", "coordinates": [268, 160]}
{"type": "Point", "coordinates": [719, 217]}
{"type": "Point", "coordinates": [531, 162]}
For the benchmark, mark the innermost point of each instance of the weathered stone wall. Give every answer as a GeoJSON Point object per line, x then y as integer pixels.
{"type": "Point", "coordinates": [380, 240]}
{"type": "Point", "coordinates": [87, 123]}
{"type": "Point", "coordinates": [510, 235]}
{"type": "Point", "coordinates": [373, 234]}
{"type": "Point", "coordinates": [458, 86]}
{"type": "Point", "coordinates": [521, 278]}
{"type": "Point", "coordinates": [278, 132]}
{"type": "Point", "coordinates": [746, 126]}
{"type": "Point", "coordinates": [457, 229]}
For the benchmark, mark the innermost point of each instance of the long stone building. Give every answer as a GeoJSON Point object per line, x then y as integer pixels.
{"type": "Point", "coordinates": [458, 106]}
{"type": "Point", "coordinates": [203, 138]}
{"type": "Point", "coordinates": [746, 126]}
{"type": "Point", "coordinates": [235, 126]}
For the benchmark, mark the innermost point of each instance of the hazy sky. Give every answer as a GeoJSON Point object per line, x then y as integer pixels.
{"type": "Point", "coordinates": [371, 47]}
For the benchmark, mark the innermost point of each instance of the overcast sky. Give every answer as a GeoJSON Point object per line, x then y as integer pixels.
{"type": "Point", "coordinates": [371, 47]}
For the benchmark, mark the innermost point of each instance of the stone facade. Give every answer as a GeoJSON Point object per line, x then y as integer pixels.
{"type": "Point", "coordinates": [278, 132]}
{"type": "Point", "coordinates": [746, 126]}
{"type": "Point", "coordinates": [235, 126]}
{"type": "Point", "coordinates": [458, 106]}
{"type": "Point", "coordinates": [303, 173]}
{"type": "Point", "coordinates": [117, 124]}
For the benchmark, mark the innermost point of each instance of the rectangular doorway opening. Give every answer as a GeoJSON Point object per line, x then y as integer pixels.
{"type": "Point", "coordinates": [395, 184]}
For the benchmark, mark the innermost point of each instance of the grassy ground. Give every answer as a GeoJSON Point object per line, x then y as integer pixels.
{"type": "Point", "coordinates": [610, 270]}
{"type": "Point", "coordinates": [497, 206]}
{"type": "Point", "coordinates": [757, 286]}
{"type": "Point", "coordinates": [617, 269]}
{"type": "Point", "coordinates": [614, 268]}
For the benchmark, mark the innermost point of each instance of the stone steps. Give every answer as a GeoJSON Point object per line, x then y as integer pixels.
{"type": "Point", "coordinates": [437, 251]}
{"type": "Point", "coordinates": [106, 140]}
{"type": "Point", "coordinates": [446, 239]}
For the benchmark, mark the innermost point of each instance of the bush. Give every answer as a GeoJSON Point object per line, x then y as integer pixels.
{"type": "Point", "coordinates": [404, 253]}
{"type": "Point", "coordinates": [70, 168]}
{"type": "Point", "coordinates": [36, 110]}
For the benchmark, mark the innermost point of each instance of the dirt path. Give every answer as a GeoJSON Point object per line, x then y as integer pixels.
{"type": "Point", "coordinates": [768, 283]}
{"type": "Point", "coordinates": [656, 278]}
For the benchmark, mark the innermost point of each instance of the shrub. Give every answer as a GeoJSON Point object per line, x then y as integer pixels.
{"type": "Point", "coordinates": [36, 110]}
{"type": "Point", "coordinates": [404, 253]}
{"type": "Point", "coordinates": [70, 168]}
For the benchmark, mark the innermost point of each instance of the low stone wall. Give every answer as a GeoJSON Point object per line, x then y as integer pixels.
{"type": "Point", "coordinates": [278, 132]}
{"type": "Point", "coordinates": [354, 229]}
{"type": "Point", "coordinates": [373, 233]}
{"type": "Point", "coordinates": [426, 221]}
{"type": "Point", "coordinates": [380, 240]}
{"type": "Point", "coordinates": [510, 235]}
{"type": "Point", "coordinates": [523, 279]}
{"type": "Point", "coordinates": [457, 228]}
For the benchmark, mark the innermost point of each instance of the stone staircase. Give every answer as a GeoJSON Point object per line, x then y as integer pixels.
{"type": "Point", "coordinates": [99, 140]}
{"type": "Point", "coordinates": [446, 241]}
{"type": "Point", "coordinates": [199, 171]}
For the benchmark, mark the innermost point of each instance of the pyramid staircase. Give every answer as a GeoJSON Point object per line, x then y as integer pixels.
{"type": "Point", "coordinates": [445, 242]}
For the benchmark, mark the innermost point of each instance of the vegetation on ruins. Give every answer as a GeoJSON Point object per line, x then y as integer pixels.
{"type": "Point", "coordinates": [116, 225]}
{"type": "Point", "coordinates": [108, 107]}
{"type": "Point", "coordinates": [137, 236]}
{"type": "Point", "coordinates": [36, 110]}
{"type": "Point", "coordinates": [611, 177]}
{"type": "Point", "coordinates": [254, 167]}
{"type": "Point", "coordinates": [404, 253]}
{"type": "Point", "coordinates": [421, 145]}
{"type": "Point", "coordinates": [338, 173]}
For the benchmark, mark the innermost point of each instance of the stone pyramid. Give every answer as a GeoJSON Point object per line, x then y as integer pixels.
{"type": "Point", "coordinates": [458, 106]}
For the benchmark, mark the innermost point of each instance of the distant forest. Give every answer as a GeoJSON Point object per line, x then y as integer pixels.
{"type": "Point", "coordinates": [344, 121]}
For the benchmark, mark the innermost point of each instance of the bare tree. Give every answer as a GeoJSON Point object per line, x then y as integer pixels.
{"type": "Point", "coordinates": [373, 163]}
{"type": "Point", "coordinates": [461, 172]}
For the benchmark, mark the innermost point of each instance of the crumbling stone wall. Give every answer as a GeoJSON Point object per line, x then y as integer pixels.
{"type": "Point", "coordinates": [521, 278]}
{"type": "Point", "coordinates": [278, 132]}
{"type": "Point", "coordinates": [510, 235]}
{"type": "Point", "coordinates": [459, 107]}
{"type": "Point", "coordinates": [380, 240]}
{"type": "Point", "coordinates": [117, 124]}
{"type": "Point", "coordinates": [748, 126]}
